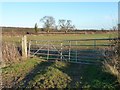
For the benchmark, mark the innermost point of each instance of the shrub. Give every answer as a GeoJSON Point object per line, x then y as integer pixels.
{"type": "Point", "coordinates": [10, 53]}
{"type": "Point", "coordinates": [112, 64]}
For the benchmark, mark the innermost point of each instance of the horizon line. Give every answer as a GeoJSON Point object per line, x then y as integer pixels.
{"type": "Point", "coordinates": [40, 28]}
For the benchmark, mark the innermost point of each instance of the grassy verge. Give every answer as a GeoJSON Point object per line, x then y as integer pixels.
{"type": "Point", "coordinates": [38, 74]}
{"type": "Point", "coordinates": [15, 72]}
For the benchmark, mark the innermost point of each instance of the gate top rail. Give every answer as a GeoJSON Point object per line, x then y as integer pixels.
{"type": "Point", "coordinates": [77, 40]}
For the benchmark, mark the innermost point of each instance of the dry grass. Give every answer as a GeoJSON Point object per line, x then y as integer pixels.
{"type": "Point", "coordinates": [10, 53]}
{"type": "Point", "coordinates": [112, 64]}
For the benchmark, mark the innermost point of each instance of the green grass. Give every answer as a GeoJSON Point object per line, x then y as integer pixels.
{"type": "Point", "coordinates": [59, 37]}
{"type": "Point", "coordinates": [18, 70]}
{"type": "Point", "coordinates": [35, 73]}
{"type": "Point", "coordinates": [20, 66]}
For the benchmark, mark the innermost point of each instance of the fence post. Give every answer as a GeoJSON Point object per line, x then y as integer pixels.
{"type": "Point", "coordinates": [48, 51]}
{"type": "Point", "coordinates": [69, 49]}
{"type": "Point", "coordinates": [24, 47]}
{"type": "Point", "coordinates": [76, 51]}
{"type": "Point", "coordinates": [61, 51]}
{"type": "Point", "coordinates": [29, 48]}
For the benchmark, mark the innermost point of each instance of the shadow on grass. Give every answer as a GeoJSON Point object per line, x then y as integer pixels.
{"type": "Point", "coordinates": [39, 69]}
{"type": "Point", "coordinates": [89, 76]}
{"type": "Point", "coordinates": [82, 76]}
{"type": "Point", "coordinates": [74, 71]}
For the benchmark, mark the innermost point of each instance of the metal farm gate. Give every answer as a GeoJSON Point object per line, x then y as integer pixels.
{"type": "Point", "coordinates": [78, 51]}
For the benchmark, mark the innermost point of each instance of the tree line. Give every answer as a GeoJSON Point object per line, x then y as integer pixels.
{"type": "Point", "coordinates": [48, 24]}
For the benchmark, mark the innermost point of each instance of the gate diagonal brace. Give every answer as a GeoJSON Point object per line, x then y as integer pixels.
{"type": "Point", "coordinates": [39, 49]}
{"type": "Point", "coordinates": [57, 50]}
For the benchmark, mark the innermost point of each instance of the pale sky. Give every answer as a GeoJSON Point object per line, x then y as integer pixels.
{"type": "Point", "coordinates": [84, 15]}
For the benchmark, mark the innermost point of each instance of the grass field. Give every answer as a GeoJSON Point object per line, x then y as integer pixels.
{"type": "Point", "coordinates": [59, 37]}
{"type": "Point", "coordinates": [38, 74]}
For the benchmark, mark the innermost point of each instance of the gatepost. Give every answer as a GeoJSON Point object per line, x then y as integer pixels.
{"type": "Point", "coordinates": [24, 46]}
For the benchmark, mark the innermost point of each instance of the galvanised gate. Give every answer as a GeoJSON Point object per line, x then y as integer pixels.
{"type": "Point", "coordinates": [78, 51]}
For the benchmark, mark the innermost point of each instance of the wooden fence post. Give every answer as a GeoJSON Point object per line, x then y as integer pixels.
{"type": "Point", "coordinates": [76, 51]}
{"type": "Point", "coordinates": [69, 49]}
{"type": "Point", "coordinates": [24, 47]}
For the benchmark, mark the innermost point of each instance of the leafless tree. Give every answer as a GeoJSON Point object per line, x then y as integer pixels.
{"type": "Point", "coordinates": [49, 22]}
{"type": "Point", "coordinates": [61, 24]}
{"type": "Point", "coordinates": [65, 25]}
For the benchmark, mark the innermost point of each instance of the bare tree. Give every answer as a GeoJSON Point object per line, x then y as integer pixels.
{"type": "Point", "coordinates": [66, 25]}
{"type": "Point", "coordinates": [115, 28]}
{"type": "Point", "coordinates": [49, 22]}
{"type": "Point", "coordinates": [62, 24]}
